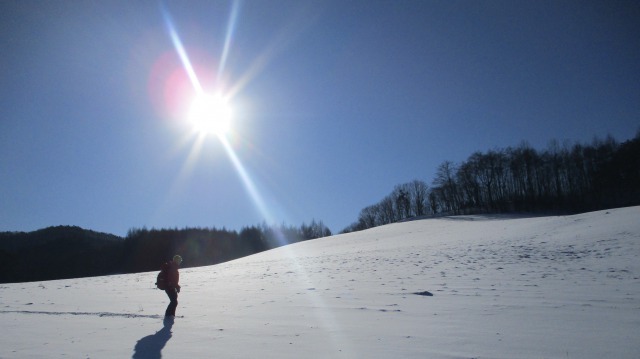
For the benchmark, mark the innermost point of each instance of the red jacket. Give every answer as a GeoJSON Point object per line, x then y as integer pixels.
{"type": "Point", "coordinates": [173, 276]}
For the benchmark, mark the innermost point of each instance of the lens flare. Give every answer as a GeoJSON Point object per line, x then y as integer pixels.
{"type": "Point", "coordinates": [212, 114]}
{"type": "Point", "coordinates": [177, 43]}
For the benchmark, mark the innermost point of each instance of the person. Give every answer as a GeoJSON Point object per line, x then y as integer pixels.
{"type": "Point", "coordinates": [173, 285]}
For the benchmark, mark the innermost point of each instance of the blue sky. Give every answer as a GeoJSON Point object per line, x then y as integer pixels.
{"type": "Point", "coordinates": [334, 102]}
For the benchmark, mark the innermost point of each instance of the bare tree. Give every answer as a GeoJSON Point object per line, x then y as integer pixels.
{"type": "Point", "coordinates": [368, 217]}
{"type": "Point", "coordinates": [447, 188]}
{"type": "Point", "coordinates": [387, 212]}
{"type": "Point", "coordinates": [418, 192]}
{"type": "Point", "coordinates": [402, 201]}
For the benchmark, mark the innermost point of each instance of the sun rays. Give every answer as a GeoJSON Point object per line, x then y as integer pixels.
{"type": "Point", "coordinates": [210, 112]}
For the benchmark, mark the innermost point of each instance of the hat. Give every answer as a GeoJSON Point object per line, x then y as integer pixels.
{"type": "Point", "coordinates": [177, 259]}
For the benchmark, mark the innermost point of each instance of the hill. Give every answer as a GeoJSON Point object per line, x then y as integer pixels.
{"type": "Point", "coordinates": [452, 287]}
{"type": "Point", "coordinates": [65, 252]}
{"type": "Point", "coordinates": [57, 252]}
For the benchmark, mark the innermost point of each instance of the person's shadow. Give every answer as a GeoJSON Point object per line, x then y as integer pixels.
{"type": "Point", "coordinates": [150, 347]}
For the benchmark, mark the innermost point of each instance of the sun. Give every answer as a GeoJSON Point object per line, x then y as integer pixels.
{"type": "Point", "coordinates": [210, 114]}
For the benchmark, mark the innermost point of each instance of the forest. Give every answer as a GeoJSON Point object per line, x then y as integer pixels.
{"type": "Point", "coordinates": [63, 252]}
{"type": "Point", "coordinates": [561, 179]}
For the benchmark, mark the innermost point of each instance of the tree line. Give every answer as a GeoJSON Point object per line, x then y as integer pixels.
{"type": "Point", "coordinates": [64, 252]}
{"type": "Point", "coordinates": [559, 179]}
{"type": "Point", "coordinates": [145, 249]}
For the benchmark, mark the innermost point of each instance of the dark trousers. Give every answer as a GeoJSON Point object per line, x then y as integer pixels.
{"type": "Point", "coordinates": [173, 297]}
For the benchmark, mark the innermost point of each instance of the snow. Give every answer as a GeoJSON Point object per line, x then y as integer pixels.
{"type": "Point", "coordinates": [543, 287]}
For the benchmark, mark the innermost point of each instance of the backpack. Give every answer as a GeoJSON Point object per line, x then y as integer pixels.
{"type": "Point", "coordinates": [161, 280]}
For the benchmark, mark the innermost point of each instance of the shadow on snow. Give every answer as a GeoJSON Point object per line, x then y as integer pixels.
{"type": "Point", "coordinates": [150, 347]}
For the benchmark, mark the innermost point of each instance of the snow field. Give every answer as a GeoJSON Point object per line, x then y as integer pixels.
{"type": "Point", "coordinates": [543, 287]}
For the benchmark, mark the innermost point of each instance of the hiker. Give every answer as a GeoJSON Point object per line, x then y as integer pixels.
{"type": "Point", "coordinates": [172, 287]}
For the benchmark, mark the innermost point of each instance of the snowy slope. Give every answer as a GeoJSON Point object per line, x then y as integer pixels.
{"type": "Point", "coordinates": [547, 287]}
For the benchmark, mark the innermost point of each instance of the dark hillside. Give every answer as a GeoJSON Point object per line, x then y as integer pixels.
{"type": "Point", "coordinates": [57, 253]}
{"type": "Point", "coordinates": [72, 252]}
